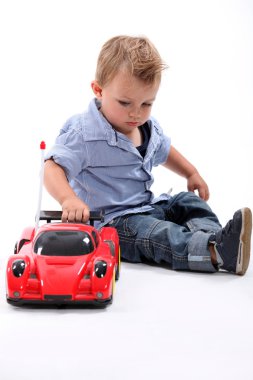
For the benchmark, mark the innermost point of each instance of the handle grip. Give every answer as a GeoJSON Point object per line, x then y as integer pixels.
{"type": "Point", "coordinates": [56, 215]}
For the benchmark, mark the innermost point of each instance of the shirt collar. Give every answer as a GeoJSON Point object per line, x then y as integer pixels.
{"type": "Point", "coordinates": [102, 128]}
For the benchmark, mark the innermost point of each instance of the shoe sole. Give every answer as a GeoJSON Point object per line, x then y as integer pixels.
{"type": "Point", "coordinates": [245, 242]}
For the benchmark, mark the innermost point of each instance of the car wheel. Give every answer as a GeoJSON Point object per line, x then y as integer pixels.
{"type": "Point", "coordinates": [118, 265]}
{"type": "Point", "coordinates": [113, 284]}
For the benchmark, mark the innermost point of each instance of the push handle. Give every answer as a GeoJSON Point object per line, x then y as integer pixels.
{"type": "Point", "coordinates": [56, 215]}
{"type": "Point", "coordinates": [42, 150]}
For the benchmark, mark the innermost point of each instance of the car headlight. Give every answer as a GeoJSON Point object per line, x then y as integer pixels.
{"type": "Point", "coordinates": [100, 268]}
{"type": "Point", "coordinates": [18, 267]}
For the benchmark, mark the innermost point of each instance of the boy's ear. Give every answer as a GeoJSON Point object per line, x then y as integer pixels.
{"type": "Point", "coordinates": [96, 89]}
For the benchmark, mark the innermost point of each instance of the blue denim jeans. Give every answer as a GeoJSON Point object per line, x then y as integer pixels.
{"type": "Point", "coordinates": [176, 231]}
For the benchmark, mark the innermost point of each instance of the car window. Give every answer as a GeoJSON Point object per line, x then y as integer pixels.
{"type": "Point", "coordinates": [63, 243]}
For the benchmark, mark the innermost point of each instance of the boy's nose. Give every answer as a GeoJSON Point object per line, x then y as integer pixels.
{"type": "Point", "coordinates": [134, 113]}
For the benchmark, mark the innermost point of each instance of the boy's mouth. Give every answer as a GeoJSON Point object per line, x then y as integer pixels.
{"type": "Point", "coordinates": [132, 124]}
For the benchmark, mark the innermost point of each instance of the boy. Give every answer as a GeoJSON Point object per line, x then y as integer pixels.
{"type": "Point", "coordinates": [103, 159]}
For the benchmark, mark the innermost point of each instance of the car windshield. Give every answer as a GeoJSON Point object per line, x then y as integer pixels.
{"type": "Point", "coordinates": [63, 243]}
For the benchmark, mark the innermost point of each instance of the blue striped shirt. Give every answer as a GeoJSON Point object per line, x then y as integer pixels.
{"type": "Point", "coordinates": [103, 166]}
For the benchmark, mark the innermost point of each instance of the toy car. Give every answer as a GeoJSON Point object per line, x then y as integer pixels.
{"type": "Point", "coordinates": [64, 263]}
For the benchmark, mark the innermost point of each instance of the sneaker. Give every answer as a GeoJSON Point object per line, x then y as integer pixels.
{"type": "Point", "coordinates": [232, 243]}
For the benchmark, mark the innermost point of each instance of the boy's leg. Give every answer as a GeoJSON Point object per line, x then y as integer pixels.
{"type": "Point", "coordinates": [185, 233]}
{"type": "Point", "coordinates": [189, 210]}
{"type": "Point", "coordinates": [229, 246]}
{"type": "Point", "coordinates": [145, 237]}
{"type": "Point", "coordinates": [176, 231]}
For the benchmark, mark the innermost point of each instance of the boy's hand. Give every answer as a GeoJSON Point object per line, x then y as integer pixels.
{"type": "Point", "coordinates": [180, 165]}
{"type": "Point", "coordinates": [196, 182]}
{"type": "Point", "coordinates": [75, 210]}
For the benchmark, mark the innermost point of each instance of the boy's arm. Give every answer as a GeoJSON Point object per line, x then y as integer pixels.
{"type": "Point", "coordinates": [56, 183]}
{"type": "Point", "coordinates": [181, 166]}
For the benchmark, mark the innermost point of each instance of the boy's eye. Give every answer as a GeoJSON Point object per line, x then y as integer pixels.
{"type": "Point", "coordinates": [124, 104]}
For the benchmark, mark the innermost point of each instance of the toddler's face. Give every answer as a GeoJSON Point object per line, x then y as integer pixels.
{"type": "Point", "coordinates": [126, 101]}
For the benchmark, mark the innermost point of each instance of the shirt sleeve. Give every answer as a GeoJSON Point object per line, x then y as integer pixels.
{"type": "Point", "coordinates": [162, 144]}
{"type": "Point", "coordinates": [69, 150]}
{"type": "Point", "coordinates": [162, 152]}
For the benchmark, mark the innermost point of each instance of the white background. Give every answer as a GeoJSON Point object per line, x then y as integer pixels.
{"type": "Point", "coordinates": [162, 324]}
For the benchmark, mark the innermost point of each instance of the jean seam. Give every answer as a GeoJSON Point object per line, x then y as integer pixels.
{"type": "Point", "coordinates": [147, 243]}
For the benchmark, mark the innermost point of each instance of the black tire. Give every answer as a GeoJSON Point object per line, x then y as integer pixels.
{"type": "Point", "coordinates": [118, 268]}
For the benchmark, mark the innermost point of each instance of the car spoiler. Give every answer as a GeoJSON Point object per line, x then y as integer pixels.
{"type": "Point", "coordinates": [56, 215]}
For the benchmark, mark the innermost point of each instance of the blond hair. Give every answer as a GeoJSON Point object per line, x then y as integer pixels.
{"type": "Point", "coordinates": [137, 55]}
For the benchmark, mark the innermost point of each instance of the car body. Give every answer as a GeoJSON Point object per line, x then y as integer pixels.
{"type": "Point", "coordinates": [63, 263]}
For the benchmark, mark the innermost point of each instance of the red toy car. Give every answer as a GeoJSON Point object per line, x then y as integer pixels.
{"type": "Point", "coordinates": [64, 263]}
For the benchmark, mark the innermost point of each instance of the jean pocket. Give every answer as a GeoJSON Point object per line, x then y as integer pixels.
{"type": "Point", "coordinates": [130, 228]}
{"type": "Point", "coordinates": [125, 225]}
